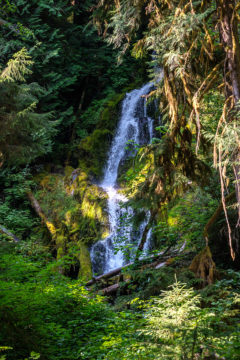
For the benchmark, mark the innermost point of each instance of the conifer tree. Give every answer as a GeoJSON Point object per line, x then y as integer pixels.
{"type": "Point", "coordinates": [25, 133]}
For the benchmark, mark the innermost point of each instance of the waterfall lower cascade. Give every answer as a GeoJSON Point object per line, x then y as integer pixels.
{"type": "Point", "coordinates": [135, 127]}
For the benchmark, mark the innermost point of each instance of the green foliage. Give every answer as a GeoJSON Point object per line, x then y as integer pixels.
{"type": "Point", "coordinates": [44, 312]}
{"type": "Point", "coordinates": [186, 220]}
{"type": "Point", "coordinates": [93, 151]}
{"type": "Point", "coordinates": [174, 323]}
{"type": "Point", "coordinates": [15, 213]}
{"type": "Point", "coordinates": [178, 326]}
{"type": "Point", "coordinates": [25, 133]}
{"type": "Point", "coordinates": [71, 62]}
{"type": "Point", "coordinates": [18, 67]}
{"type": "Point", "coordinates": [53, 63]}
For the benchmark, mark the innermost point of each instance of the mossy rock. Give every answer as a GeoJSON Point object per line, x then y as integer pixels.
{"type": "Point", "coordinates": [92, 218]}
{"type": "Point", "coordinates": [76, 206]}
{"type": "Point", "coordinates": [85, 271]}
{"type": "Point", "coordinates": [93, 150]}
{"type": "Point", "coordinates": [110, 115]}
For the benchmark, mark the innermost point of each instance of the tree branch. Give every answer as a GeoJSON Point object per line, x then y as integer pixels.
{"type": "Point", "coordinates": [10, 26]}
{"type": "Point", "coordinates": [4, 231]}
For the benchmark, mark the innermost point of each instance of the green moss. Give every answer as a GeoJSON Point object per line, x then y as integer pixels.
{"type": "Point", "coordinates": [68, 170]}
{"type": "Point", "coordinates": [93, 150]}
{"type": "Point", "coordinates": [85, 262]}
{"type": "Point", "coordinates": [77, 209]}
{"type": "Point", "coordinates": [60, 245]}
{"type": "Point", "coordinates": [109, 116]}
{"type": "Point", "coordinates": [93, 221]}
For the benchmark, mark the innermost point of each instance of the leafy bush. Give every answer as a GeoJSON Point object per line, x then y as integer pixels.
{"type": "Point", "coordinates": [186, 220]}
{"type": "Point", "coordinates": [43, 311]}
{"type": "Point", "coordinates": [15, 213]}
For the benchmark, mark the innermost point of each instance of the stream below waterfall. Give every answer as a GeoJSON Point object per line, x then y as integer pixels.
{"type": "Point", "coordinates": [135, 127]}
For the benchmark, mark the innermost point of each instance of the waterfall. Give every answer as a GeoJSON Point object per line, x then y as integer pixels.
{"type": "Point", "coordinates": [135, 127]}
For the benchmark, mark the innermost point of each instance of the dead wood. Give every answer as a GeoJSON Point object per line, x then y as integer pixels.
{"type": "Point", "coordinates": [109, 290]}
{"type": "Point", "coordinates": [10, 26]}
{"type": "Point", "coordinates": [156, 259]}
{"type": "Point", "coordinates": [5, 231]}
{"type": "Point", "coordinates": [204, 267]}
{"type": "Point", "coordinates": [108, 275]}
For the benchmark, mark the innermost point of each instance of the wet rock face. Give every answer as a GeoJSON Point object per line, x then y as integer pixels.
{"type": "Point", "coordinates": [98, 261]}
{"type": "Point", "coordinates": [146, 130]}
{"type": "Point", "coordinates": [143, 122]}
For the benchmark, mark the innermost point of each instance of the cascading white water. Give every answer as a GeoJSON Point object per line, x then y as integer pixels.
{"type": "Point", "coordinates": [134, 109]}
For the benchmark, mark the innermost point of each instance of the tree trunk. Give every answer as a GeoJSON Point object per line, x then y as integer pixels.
{"type": "Point", "coordinates": [228, 29]}
{"type": "Point", "coordinates": [215, 217]}
{"type": "Point", "coordinates": [204, 267]}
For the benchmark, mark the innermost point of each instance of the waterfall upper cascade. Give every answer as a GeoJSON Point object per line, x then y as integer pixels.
{"type": "Point", "coordinates": [135, 127]}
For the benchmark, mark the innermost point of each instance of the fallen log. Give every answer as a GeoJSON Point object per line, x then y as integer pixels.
{"type": "Point", "coordinates": [5, 231]}
{"type": "Point", "coordinates": [160, 265]}
{"type": "Point", "coordinates": [164, 258]}
{"type": "Point", "coordinates": [118, 270]}
{"type": "Point", "coordinates": [109, 290]}
{"type": "Point", "coordinates": [107, 275]}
